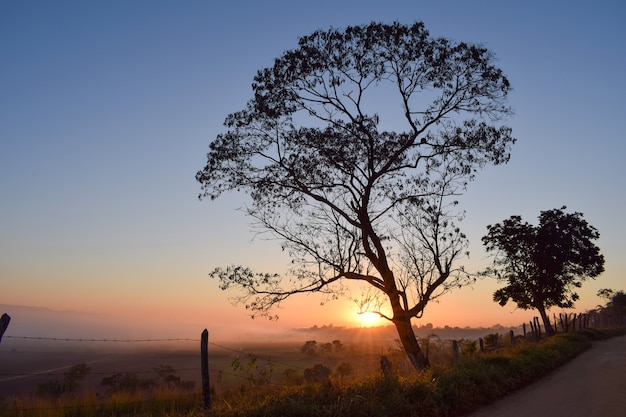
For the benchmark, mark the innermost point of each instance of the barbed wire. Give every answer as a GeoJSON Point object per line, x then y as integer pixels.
{"type": "Point", "coordinates": [67, 339]}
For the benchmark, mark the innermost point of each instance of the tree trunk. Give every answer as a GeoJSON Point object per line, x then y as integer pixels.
{"type": "Point", "coordinates": [546, 321]}
{"type": "Point", "coordinates": [409, 342]}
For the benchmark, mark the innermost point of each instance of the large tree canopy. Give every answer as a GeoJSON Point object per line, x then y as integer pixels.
{"type": "Point", "coordinates": [543, 265]}
{"type": "Point", "coordinates": [352, 150]}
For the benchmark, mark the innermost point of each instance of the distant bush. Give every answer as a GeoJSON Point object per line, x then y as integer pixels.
{"type": "Point", "coordinates": [50, 389]}
{"type": "Point", "coordinates": [344, 370]}
{"type": "Point", "coordinates": [312, 348]}
{"type": "Point", "coordinates": [126, 382]}
{"type": "Point", "coordinates": [256, 372]}
{"type": "Point", "coordinates": [68, 386]}
{"type": "Point", "coordinates": [131, 383]}
{"type": "Point", "coordinates": [309, 348]}
{"type": "Point", "coordinates": [318, 374]}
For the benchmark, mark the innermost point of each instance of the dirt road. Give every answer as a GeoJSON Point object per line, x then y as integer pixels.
{"type": "Point", "coordinates": [592, 385]}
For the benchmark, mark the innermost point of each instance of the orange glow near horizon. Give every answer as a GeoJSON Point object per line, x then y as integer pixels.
{"type": "Point", "coordinates": [368, 319]}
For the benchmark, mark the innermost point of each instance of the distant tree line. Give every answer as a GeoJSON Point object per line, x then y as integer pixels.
{"type": "Point", "coordinates": [312, 348]}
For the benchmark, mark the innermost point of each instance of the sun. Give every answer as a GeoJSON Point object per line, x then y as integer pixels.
{"type": "Point", "coordinates": [368, 319]}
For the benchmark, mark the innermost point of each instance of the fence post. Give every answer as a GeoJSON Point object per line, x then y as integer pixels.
{"type": "Point", "coordinates": [524, 328]}
{"type": "Point", "coordinates": [204, 362]}
{"type": "Point", "coordinates": [455, 350]}
{"type": "Point", "coordinates": [481, 343]}
{"type": "Point", "coordinates": [556, 326]}
{"type": "Point", "coordinates": [512, 336]}
{"type": "Point", "coordinates": [4, 323]}
{"type": "Point", "coordinates": [536, 328]}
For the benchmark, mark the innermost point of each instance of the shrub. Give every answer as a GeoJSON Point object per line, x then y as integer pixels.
{"type": "Point", "coordinates": [318, 374]}
{"type": "Point", "coordinates": [69, 386]}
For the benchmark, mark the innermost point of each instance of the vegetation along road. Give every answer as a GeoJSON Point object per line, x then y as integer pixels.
{"type": "Point", "coordinates": [593, 384]}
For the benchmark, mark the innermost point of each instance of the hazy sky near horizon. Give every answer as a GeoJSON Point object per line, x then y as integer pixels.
{"type": "Point", "coordinates": [107, 110]}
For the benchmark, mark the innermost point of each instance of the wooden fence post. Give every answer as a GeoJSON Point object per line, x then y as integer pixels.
{"type": "Point", "coordinates": [204, 362]}
{"type": "Point", "coordinates": [537, 328]}
{"type": "Point", "coordinates": [455, 350]}
{"type": "Point", "coordinates": [481, 344]}
{"type": "Point", "coordinates": [512, 336]}
{"type": "Point", "coordinates": [556, 326]}
{"type": "Point", "coordinates": [4, 323]}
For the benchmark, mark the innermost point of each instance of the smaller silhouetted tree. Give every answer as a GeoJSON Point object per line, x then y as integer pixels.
{"type": "Point", "coordinates": [616, 301]}
{"type": "Point", "coordinates": [543, 265]}
{"type": "Point", "coordinates": [338, 346]}
{"type": "Point", "coordinates": [326, 349]}
{"type": "Point", "coordinates": [309, 347]}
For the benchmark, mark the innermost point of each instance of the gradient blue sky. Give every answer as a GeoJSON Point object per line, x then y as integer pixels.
{"type": "Point", "coordinates": [107, 109]}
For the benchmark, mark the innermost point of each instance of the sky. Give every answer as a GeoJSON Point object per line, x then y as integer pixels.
{"type": "Point", "coordinates": [107, 110]}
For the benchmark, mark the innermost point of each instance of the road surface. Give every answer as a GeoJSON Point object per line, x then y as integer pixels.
{"type": "Point", "coordinates": [591, 385]}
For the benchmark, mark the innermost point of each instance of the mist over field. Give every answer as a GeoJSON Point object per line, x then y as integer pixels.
{"type": "Point", "coordinates": [41, 344]}
{"type": "Point", "coordinates": [29, 323]}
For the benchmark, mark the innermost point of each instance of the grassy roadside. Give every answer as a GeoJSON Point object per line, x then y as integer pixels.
{"type": "Point", "coordinates": [453, 391]}
{"type": "Point", "coordinates": [443, 391]}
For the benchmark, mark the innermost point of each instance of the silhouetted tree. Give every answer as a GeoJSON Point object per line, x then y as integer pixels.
{"type": "Point", "coordinates": [352, 200]}
{"type": "Point", "coordinates": [543, 265]}
{"type": "Point", "coordinates": [309, 347]}
{"type": "Point", "coordinates": [616, 301]}
{"type": "Point", "coordinates": [338, 346]}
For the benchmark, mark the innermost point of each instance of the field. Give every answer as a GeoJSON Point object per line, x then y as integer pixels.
{"type": "Point", "coordinates": [27, 364]}
{"type": "Point", "coordinates": [27, 369]}
{"type": "Point", "coordinates": [61, 378]}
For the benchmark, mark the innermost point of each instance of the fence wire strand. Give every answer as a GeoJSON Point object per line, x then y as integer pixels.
{"type": "Point", "coordinates": [67, 339]}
